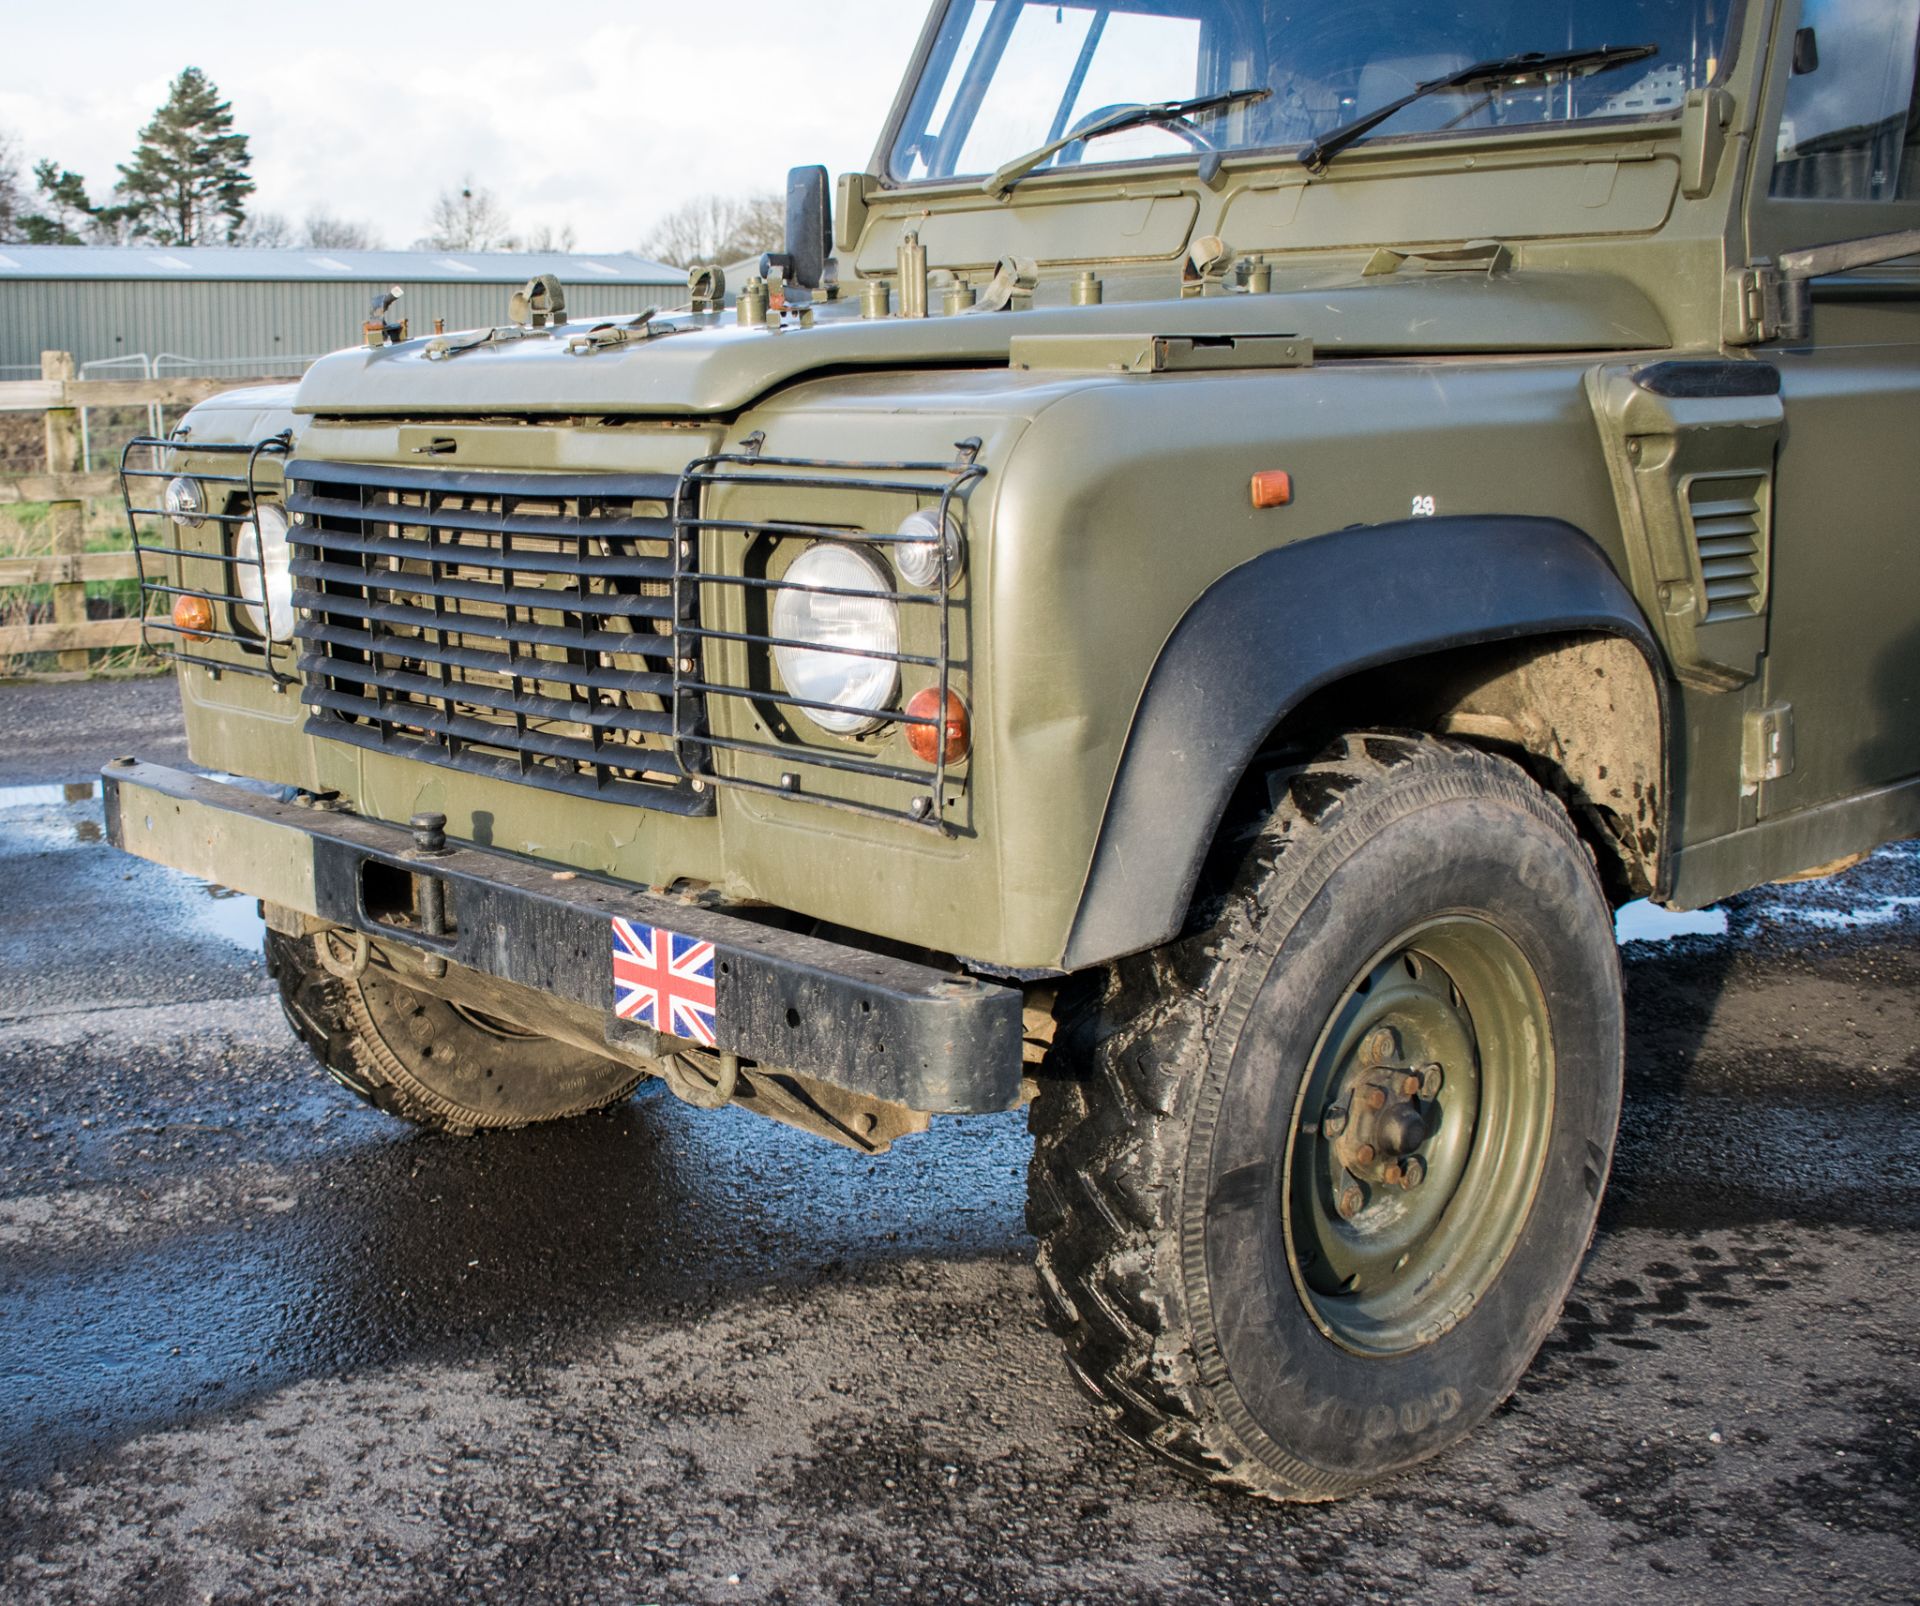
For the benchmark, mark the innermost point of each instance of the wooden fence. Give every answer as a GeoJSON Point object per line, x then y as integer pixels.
{"type": "Point", "coordinates": [65, 489]}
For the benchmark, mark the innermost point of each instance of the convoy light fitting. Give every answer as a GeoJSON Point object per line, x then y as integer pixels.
{"type": "Point", "coordinates": [184, 502]}
{"type": "Point", "coordinates": [919, 557]}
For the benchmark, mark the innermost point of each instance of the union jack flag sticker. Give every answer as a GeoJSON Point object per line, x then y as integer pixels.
{"type": "Point", "coordinates": [663, 980]}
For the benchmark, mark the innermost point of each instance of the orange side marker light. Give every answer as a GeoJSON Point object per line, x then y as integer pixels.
{"type": "Point", "coordinates": [1272, 487]}
{"type": "Point", "coordinates": [925, 740]}
{"type": "Point", "coordinates": [194, 616]}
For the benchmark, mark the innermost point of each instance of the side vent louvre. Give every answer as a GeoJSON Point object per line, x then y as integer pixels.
{"type": "Point", "coordinates": [1728, 516]}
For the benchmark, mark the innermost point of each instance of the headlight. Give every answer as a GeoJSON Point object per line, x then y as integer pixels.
{"type": "Point", "coordinates": [918, 557]}
{"type": "Point", "coordinates": [184, 502]}
{"type": "Point", "coordinates": [263, 556]}
{"type": "Point", "coordinates": [847, 629]}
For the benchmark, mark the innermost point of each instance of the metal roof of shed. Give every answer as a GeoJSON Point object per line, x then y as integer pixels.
{"type": "Point", "coordinates": [221, 263]}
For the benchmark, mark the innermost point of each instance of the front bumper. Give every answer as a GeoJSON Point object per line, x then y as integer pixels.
{"type": "Point", "coordinates": [871, 1024]}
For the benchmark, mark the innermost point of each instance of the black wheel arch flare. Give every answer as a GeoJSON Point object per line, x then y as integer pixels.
{"type": "Point", "coordinates": [1268, 634]}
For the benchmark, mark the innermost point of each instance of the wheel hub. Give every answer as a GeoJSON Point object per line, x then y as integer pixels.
{"type": "Point", "coordinates": [1384, 1112]}
{"type": "Point", "coordinates": [1386, 1084]}
{"type": "Point", "coordinates": [1405, 1175]}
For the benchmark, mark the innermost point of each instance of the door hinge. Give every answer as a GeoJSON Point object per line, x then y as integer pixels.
{"type": "Point", "coordinates": [1765, 304]}
{"type": "Point", "coordinates": [1766, 752]}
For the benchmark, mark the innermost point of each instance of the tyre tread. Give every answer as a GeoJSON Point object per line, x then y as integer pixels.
{"type": "Point", "coordinates": [1109, 1143]}
{"type": "Point", "coordinates": [330, 1015]}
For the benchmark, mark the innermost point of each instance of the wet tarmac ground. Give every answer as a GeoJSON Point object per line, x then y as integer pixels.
{"type": "Point", "coordinates": [260, 1343]}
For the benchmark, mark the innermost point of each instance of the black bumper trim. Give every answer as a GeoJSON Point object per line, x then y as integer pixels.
{"type": "Point", "coordinates": [870, 1023]}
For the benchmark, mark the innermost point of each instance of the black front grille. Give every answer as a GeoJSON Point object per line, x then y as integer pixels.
{"type": "Point", "coordinates": [512, 625]}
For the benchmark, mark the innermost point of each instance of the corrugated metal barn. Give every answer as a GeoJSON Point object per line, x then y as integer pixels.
{"type": "Point", "coordinates": [209, 308]}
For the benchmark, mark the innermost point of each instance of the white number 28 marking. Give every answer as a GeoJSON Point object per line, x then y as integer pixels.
{"type": "Point", "coordinates": [1423, 507]}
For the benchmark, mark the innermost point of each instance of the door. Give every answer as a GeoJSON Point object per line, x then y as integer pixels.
{"type": "Point", "coordinates": [1843, 650]}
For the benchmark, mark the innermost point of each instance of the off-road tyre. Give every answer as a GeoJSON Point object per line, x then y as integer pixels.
{"type": "Point", "coordinates": [421, 1058]}
{"type": "Point", "coordinates": [1160, 1191]}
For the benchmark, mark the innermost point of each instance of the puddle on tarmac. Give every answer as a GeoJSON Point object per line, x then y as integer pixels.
{"type": "Point", "coordinates": [231, 916]}
{"type": "Point", "coordinates": [47, 797]}
{"type": "Point", "coordinates": [1648, 922]}
{"type": "Point", "coordinates": [70, 813]}
{"type": "Point", "coordinates": [56, 815]}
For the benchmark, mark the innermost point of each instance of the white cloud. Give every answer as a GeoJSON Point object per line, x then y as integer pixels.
{"type": "Point", "coordinates": [601, 115]}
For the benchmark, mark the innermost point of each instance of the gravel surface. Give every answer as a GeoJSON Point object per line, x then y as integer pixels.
{"type": "Point", "coordinates": [257, 1342]}
{"type": "Point", "coordinates": [64, 731]}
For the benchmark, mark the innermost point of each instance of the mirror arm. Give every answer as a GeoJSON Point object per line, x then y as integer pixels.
{"type": "Point", "coordinates": [1817, 261]}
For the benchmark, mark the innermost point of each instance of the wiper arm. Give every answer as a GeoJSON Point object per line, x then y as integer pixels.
{"type": "Point", "coordinates": [1011, 173]}
{"type": "Point", "coordinates": [1501, 69]}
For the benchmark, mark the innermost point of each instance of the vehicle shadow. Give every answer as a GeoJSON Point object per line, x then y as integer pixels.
{"type": "Point", "coordinates": [399, 1247]}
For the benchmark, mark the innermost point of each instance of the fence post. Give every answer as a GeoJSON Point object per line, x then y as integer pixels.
{"type": "Point", "coordinates": [67, 520]}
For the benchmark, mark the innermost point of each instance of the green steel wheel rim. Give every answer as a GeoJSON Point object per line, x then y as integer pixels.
{"type": "Point", "coordinates": [1420, 1136]}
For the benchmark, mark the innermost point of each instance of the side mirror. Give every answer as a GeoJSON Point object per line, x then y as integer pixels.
{"type": "Point", "coordinates": [1792, 313]}
{"type": "Point", "coordinates": [809, 226]}
{"type": "Point", "coordinates": [1806, 52]}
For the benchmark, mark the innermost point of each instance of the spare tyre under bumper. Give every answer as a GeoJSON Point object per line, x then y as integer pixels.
{"type": "Point", "coordinates": [871, 1024]}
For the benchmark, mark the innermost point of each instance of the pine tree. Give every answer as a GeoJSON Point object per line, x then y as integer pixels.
{"type": "Point", "coordinates": [66, 216]}
{"type": "Point", "coordinates": [187, 183]}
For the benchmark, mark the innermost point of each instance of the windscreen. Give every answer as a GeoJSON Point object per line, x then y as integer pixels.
{"type": "Point", "coordinates": [1007, 76]}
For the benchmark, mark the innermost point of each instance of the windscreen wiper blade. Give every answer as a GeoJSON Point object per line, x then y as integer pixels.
{"type": "Point", "coordinates": [1501, 69]}
{"type": "Point", "coordinates": [1011, 173]}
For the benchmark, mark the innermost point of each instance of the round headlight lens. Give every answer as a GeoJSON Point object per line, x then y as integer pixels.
{"type": "Point", "coordinates": [184, 502]}
{"type": "Point", "coordinates": [846, 627]}
{"type": "Point", "coordinates": [263, 557]}
{"type": "Point", "coordinates": [918, 557]}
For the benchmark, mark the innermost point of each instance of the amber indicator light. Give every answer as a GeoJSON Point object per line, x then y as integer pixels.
{"type": "Point", "coordinates": [925, 739]}
{"type": "Point", "coordinates": [194, 615]}
{"type": "Point", "coordinates": [1272, 487]}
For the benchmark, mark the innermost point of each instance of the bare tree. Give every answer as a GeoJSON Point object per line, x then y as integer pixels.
{"type": "Point", "coordinates": [718, 228]}
{"type": "Point", "coordinates": [547, 238]}
{"type": "Point", "coordinates": [325, 232]}
{"type": "Point", "coordinates": [468, 219]}
{"type": "Point", "coordinates": [265, 231]}
{"type": "Point", "coordinates": [13, 199]}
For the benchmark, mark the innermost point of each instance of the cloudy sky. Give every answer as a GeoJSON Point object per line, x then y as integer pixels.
{"type": "Point", "coordinates": [602, 114]}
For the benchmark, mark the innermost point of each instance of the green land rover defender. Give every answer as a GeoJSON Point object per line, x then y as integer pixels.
{"type": "Point", "coordinates": [1184, 597]}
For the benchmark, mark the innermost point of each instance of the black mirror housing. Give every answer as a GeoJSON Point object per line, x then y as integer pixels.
{"type": "Point", "coordinates": [809, 226]}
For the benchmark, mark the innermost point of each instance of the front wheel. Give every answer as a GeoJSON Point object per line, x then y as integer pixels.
{"type": "Point", "coordinates": [1329, 1165]}
{"type": "Point", "coordinates": [429, 1060]}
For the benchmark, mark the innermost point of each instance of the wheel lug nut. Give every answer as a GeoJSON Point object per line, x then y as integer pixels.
{"type": "Point", "coordinates": [1394, 1175]}
{"type": "Point", "coordinates": [1376, 1098]}
{"type": "Point", "coordinates": [1364, 1154]}
{"type": "Point", "coordinates": [1350, 1202]}
{"type": "Point", "coordinates": [1412, 1171]}
{"type": "Point", "coordinates": [1410, 1085]}
{"type": "Point", "coordinates": [1334, 1122]}
{"type": "Point", "coordinates": [1432, 1077]}
{"type": "Point", "coordinates": [1379, 1046]}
